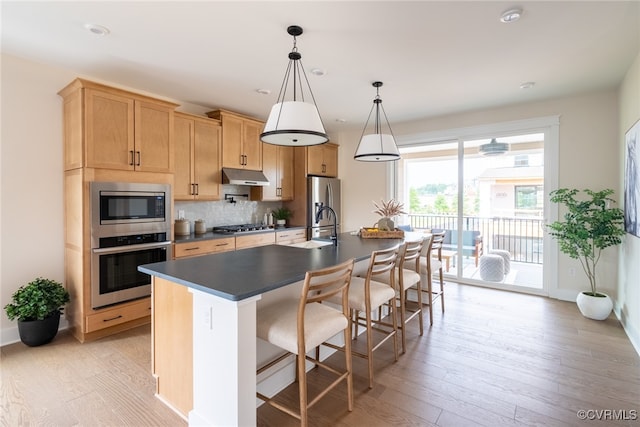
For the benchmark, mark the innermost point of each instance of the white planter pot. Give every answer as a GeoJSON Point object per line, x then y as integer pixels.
{"type": "Point", "coordinates": [597, 308]}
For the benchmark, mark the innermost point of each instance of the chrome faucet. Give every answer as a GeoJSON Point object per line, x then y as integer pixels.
{"type": "Point", "coordinates": [323, 208]}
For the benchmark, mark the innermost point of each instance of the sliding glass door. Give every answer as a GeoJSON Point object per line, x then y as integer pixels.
{"type": "Point", "coordinates": [488, 196]}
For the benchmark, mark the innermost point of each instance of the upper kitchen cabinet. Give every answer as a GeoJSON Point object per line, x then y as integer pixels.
{"type": "Point", "coordinates": [277, 165]}
{"type": "Point", "coordinates": [241, 145]}
{"type": "Point", "coordinates": [108, 128]}
{"type": "Point", "coordinates": [322, 160]}
{"type": "Point", "coordinates": [197, 157]}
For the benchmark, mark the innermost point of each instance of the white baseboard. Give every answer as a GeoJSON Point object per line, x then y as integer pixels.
{"type": "Point", "coordinates": [629, 328]}
{"type": "Point", "coordinates": [11, 335]}
{"type": "Point", "coordinates": [564, 294]}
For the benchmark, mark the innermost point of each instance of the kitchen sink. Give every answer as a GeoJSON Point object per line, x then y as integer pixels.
{"type": "Point", "coordinates": [312, 244]}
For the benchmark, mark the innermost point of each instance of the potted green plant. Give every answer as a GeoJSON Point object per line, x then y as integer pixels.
{"type": "Point", "coordinates": [281, 215]}
{"type": "Point", "coordinates": [590, 225]}
{"type": "Point", "coordinates": [37, 307]}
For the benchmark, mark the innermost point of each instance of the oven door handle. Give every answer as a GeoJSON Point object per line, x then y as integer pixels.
{"type": "Point", "coordinates": [131, 248]}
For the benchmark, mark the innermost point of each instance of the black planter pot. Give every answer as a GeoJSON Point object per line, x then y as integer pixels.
{"type": "Point", "coordinates": [38, 332]}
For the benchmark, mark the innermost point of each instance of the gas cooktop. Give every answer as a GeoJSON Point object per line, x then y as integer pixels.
{"type": "Point", "coordinates": [242, 228]}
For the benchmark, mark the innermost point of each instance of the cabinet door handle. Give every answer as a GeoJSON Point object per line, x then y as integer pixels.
{"type": "Point", "coordinates": [193, 189]}
{"type": "Point", "coordinates": [139, 158]}
{"type": "Point", "coordinates": [131, 156]}
{"type": "Point", "coordinates": [324, 168]}
{"type": "Point", "coordinates": [192, 249]}
{"type": "Point", "coordinates": [113, 318]}
{"type": "Point", "coordinates": [222, 244]}
{"type": "Point", "coordinates": [197, 189]}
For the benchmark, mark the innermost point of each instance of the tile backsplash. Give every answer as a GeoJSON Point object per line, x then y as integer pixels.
{"type": "Point", "coordinates": [222, 212]}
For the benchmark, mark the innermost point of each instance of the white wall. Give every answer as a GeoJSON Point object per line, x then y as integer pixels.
{"type": "Point", "coordinates": [588, 158]}
{"type": "Point", "coordinates": [31, 176]}
{"type": "Point", "coordinates": [628, 302]}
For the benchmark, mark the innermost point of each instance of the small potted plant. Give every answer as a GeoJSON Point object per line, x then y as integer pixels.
{"type": "Point", "coordinates": [590, 225]}
{"type": "Point", "coordinates": [281, 215]}
{"type": "Point", "coordinates": [37, 306]}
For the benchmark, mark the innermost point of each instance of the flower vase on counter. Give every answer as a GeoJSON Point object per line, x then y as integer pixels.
{"type": "Point", "coordinates": [386, 224]}
{"type": "Point", "coordinates": [387, 210]}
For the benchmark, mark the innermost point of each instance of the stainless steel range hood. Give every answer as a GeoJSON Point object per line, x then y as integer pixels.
{"type": "Point", "coordinates": [244, 177]}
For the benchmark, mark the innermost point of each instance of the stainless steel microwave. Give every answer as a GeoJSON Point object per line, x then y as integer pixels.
{"type": "Point", "coordinates": [124, 208]}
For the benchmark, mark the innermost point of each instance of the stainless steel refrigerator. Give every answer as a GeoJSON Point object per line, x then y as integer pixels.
{"type": "Point", "coordinates": [322, 192]}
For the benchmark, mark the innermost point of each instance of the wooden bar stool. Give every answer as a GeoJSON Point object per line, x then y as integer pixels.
{"type": "Point", "coordinates": [407, 277]}
{"type": "Point", "coordinates": [299, 326]}
{"type": "Point", "coordinates": [367, 295]}
{"type": "Point", "coordinates": [433, 262]}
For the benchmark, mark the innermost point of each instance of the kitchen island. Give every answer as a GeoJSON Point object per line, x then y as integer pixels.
{"type": "Point", "coordinates": [204, 322]}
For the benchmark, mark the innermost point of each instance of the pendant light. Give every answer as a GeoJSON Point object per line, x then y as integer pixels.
{"type": "Point", "coordinates": [296, 122]}
{"type": "Point", "coordinates": [378, 146]}
{"type": "Point", "coordinates": [493, 148]}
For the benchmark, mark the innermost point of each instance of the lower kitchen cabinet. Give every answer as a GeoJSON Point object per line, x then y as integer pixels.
{"type": "Point", "coordinates": [291, 236]}
{"type": "Point", "coordinates": [173, 366]}
{"type": "Point", "coordinates": [253, 240]}
{"type": "Point", "coordinates": [122, 313]}
{"type": "Point", "coordinates": [204, 247]}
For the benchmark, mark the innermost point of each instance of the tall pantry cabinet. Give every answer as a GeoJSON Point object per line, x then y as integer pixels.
{"type": "Point", "coordinates": [109, 135]}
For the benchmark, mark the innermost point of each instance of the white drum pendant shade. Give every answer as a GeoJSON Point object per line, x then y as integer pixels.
{"type": "Point", "coordinates": [294, 123]}
{"type": "Point", "coordinates": [379, 147]}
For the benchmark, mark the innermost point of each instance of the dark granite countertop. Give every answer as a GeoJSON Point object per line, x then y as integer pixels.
{"type": "Point", "coordinates": [238, 275]}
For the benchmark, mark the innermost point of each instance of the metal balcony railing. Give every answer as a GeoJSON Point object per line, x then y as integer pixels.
{"type": "Point", "coordinates": [522, 237]}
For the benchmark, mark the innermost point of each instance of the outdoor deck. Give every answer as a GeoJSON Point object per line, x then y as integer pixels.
{"type": "Point", "coordinates": [521, 237]}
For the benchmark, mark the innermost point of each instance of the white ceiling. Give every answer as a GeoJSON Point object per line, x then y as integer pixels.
{"type": "Point", "coordinates": [434, 58]}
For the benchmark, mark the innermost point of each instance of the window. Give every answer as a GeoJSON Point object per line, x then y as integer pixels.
{"type": "Point", "coordinates": [529, 200]}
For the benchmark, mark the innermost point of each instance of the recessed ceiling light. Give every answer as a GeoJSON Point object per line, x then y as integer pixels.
{"type": "Point", "coordinates": [318, 72]}
{"type": "Point", "coordinates": [527, 85]}
{"type": "Point", "coordinates": [98, 30]}
{"type": "Point", "coordinates": [263, 91]}
{"type": "Point", "coordinates": [511, 15]}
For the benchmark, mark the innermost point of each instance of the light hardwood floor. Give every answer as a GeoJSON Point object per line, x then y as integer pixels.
{"type": "Point", "coordinates": [493, 359]}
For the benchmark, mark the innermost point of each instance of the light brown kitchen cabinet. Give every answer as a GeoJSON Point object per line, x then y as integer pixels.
{"type": "Point", "coordinates": [278, 167]}
{"type": "Point", "coordinates": [172, 366]}
{"type": "Point", "coordinates": [203, 247]}
{"type": "Point", "coordinates": [109, 128]}
{"type": "Point", "coordinates": [241, 145]}
{"type": "Point", "coordinates": [119, 314]}
{"type": "Point", "coordinates": [288, 237]}
{"type": "Point", "coordinates": [109, 135]}
{"type": "Point", "coordinates": [322, 160]}
{"type": "Point", "coordinates": [197, 158]}
{"type": "Point", "coordinates": [255, 239]}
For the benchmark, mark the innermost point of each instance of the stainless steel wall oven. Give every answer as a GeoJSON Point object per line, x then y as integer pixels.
{"type": "Point", "coordinates": [131, 226]}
